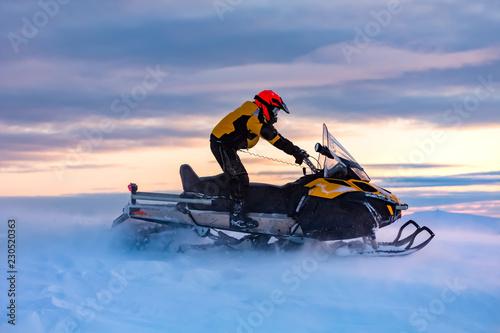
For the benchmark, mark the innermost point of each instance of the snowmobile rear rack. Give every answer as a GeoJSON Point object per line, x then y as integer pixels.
{"type": "Point", "coordinates": [169, 198]}
{"type": "Point", "coordinates": [166, 197]}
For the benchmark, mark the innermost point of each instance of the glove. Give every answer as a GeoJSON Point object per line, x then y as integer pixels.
{"type": "Point", "coordinates": [299, 155]}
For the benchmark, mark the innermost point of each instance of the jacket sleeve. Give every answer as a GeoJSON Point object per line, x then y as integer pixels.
{"type": "Point", "coordinates": [269, 133]}
{"type": "Point", "coordinates": [286, 145]}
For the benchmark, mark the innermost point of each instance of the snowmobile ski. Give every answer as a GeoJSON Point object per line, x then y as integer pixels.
{"type": "Point", "coordinates": [398, 247]}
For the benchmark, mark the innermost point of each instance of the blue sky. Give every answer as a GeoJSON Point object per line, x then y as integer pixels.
{"type": "Point", "coordinates": [124, 90]}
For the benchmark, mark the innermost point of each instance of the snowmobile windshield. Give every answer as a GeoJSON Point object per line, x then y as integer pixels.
{"type": "Point", "coordinates": [342, 164]}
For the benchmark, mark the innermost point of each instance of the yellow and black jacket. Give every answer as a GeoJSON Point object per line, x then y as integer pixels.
{"type": "Point", "coordinates": [242, 128]}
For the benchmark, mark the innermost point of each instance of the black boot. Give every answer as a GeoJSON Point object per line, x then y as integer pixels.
{"type": "Point", "coordinates": [239, 218]}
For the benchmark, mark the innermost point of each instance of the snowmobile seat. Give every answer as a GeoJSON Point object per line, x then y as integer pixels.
{"type": "Point", "coordinates": [262, 198]}
{"type": "Point", "coordinates": [211, 186]}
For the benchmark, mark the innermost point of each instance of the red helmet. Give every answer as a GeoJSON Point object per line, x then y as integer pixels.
{"type": "Point", "coordinates": [270, 103]}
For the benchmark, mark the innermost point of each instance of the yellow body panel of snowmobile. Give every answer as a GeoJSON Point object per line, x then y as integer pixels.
{"type": "Point", "coordinates": [324, 188]}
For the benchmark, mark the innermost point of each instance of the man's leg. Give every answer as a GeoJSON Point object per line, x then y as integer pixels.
{"type": "Point", "coordinates": [231, 164]}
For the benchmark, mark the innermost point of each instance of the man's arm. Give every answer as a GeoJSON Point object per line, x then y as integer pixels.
{"type": "Point", "coordinates": [269, 133]}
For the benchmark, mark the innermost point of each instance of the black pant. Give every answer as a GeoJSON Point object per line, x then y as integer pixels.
{"type": "Point", "coordinates": [230, 163]}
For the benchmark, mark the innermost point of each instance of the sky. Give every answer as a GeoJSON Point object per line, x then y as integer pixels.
{"type": "Point", "coordinates": [96, 95]}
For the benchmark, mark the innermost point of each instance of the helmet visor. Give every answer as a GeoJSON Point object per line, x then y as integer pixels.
{"type": "Point", "coordinates": [284, 107]}
{"type": "Point", "coordinates": [275, 111]}
{"type": "Point", "coordinates": [274, 114]}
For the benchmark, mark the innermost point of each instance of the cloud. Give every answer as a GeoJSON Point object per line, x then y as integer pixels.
{"type": "Point", "coordinates": [75, 68]}
{"type": "Point", "coordinates": [189, 33]}
{"type": "Point", "coordinates": [31, 149]}
{"type": "Point", "coordinates": [120, 138]}
{"type": "Point", "coordinates": [386, 166]}
{"type": "Point", "coordinates": [451, 198]}
{"type": "Point", "coordinates": [64, 80]}
{"type": "Point", "coordinates": [24, 168]}
{"type": "Point", "coordinates": [309, 74]}
{"type": "Point", "coordinates": [480, 178]}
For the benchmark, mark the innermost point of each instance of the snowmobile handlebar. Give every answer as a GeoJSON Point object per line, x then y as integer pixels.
{"type": "Point", "coordinates": [310, 164]}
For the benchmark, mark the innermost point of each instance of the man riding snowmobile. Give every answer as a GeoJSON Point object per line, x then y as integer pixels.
{"type": "Point", "coordinates": [241, 129]}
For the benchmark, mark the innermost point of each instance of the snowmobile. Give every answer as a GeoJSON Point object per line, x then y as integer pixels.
{"type": "Point", "coordinates": [334, 202]}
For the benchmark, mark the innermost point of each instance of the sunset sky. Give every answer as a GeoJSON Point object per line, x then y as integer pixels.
{"type": "Point", "coordinates": [94, 95]}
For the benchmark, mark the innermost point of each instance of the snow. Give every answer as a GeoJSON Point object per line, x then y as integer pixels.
{"type": "Point", "coordinates": [77, 275]}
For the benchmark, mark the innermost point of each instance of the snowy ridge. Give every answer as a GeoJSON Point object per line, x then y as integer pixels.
{"type": "Point", "coordinates": [81, 277]}
{"type": "Point", "coordinates": [442, 219]}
